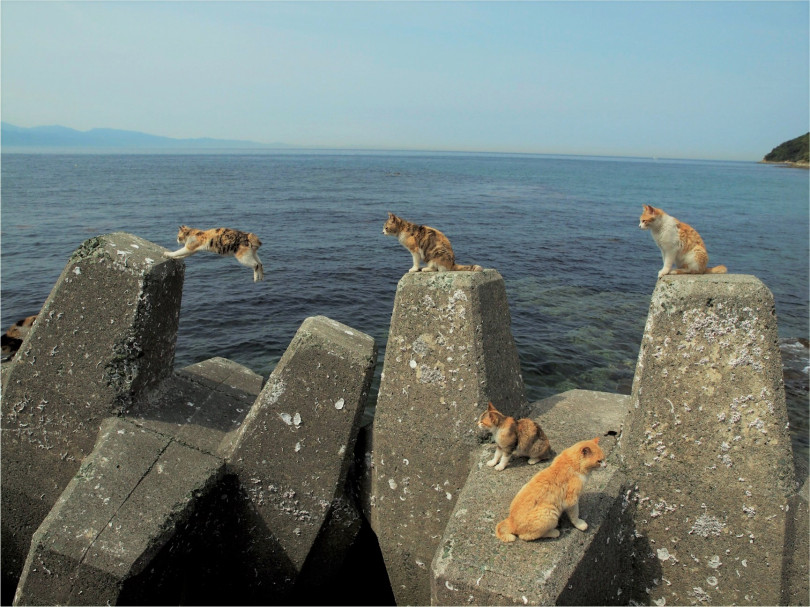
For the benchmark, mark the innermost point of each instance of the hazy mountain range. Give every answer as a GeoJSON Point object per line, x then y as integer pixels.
{"type": "Point", "coordinates": [59, 137]}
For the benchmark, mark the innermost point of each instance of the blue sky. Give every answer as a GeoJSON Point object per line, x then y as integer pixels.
{"type": "Point", "coordinates": [718, 80]}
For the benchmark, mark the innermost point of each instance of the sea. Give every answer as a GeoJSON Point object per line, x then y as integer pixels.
{"type": "Point", "coordinates": [561, 230]}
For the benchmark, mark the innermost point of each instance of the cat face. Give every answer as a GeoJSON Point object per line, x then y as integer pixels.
{"type": "Point", "coordinates": [489, 418]}
{"type": "Point", "coordinates": [648, 216]}
{"type": "Point", "coordinates": [183, 233]}
{"type": "Point", "coordinates": [590, 455]}
{"type": "Point", "coordinates": [392, 225]}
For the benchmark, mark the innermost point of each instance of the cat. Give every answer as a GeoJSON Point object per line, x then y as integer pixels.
{"type": "Point", "coordinates": [538, 506]}
{"type": "Point", "coordinates": [223, 241]}
{"type": "Point", "coordinates": [425, 244]}
{"type": "Point", "coordinates": [681, 246]}
{"type": "Point", "coordinates": [13, 338]}
{"type": "Point", "coordinates": [521, 438]}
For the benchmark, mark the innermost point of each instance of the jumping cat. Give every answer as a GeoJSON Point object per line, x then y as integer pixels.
{"type": "Point", "coordinates": [521, 438]}
{"type": "Point", "coordinates": [538, 506]}
{"type": "Point", "coordinates": [681, 246]}
{"type": "Point", "coordinates": [425, 244]}
{"type": "Point", "coordinates": [13, 338]}
{"type": "Point", "coordinates": [223, 241]}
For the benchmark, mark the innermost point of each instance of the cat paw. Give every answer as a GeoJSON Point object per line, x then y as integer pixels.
{"type": "Point", "coordinates": [532, 462]}
{"type": "Point", "coordinates": [492, 462]}
{"type": "Point", "coordinates": [552, 533]}
{"type": "Point", "coordinates": [500, 466]}
{"type": "Point", "coordinates": [581, 525]}
{"type": "Point", "coordinates": [413, 270]}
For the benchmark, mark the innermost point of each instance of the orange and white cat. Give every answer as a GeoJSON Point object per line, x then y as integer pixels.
{"type": "Point", "coordinates": [13, 338]}
{"type": "Point", "coordinates": [538, 506]}
{"type": "Point", "coordinates": [681, 246]}
{"type": "Point", "coordinates": [222, 241]}
{"type": "Point", "coordinates": [521, 438]}
{"type": "Point", "coordinates": [425, 244]}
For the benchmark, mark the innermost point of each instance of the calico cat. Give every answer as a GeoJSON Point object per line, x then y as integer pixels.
{"type": "Point", "coordinates": [538, 506]}
{"type": "Point", "coordinates": [13, 338]}
{"type": "Point", "coordinates": [425, 244]}
{"type": "Point", "coordinates": [223, 241]}
{"type": "Point", "coordinates": [521, 438]}
{"type": "Point", "coordinates": [681, 246]}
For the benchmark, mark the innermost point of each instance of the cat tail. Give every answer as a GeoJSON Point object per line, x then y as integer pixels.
{"type": "Point", "coordinates": [504, 531]}
{"type": "Point", "coordinates": [471, 268]}
{"type": "Point", "coordinates": [717, 270]}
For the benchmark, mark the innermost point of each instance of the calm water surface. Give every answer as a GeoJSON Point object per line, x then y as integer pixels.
{"type": "Point", "coordinates": [561, 230]}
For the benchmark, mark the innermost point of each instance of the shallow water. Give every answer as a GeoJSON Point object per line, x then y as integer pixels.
{"type": "Point", "coordinates": [562, 231]}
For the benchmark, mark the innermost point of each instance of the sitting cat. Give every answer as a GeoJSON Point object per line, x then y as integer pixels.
{"type": "Point", "coordinates": [521, 438]}
{"type": "Point", "coordinates": [537, 507]}
{"type": "Point", "coordinates": [425, 244]}
{"type": "Point", "coordinates": [680, 244]}
{"type": "Point", "coordinates": [223, 241]}
{"type": "Point", "coordinates": [13, 338]}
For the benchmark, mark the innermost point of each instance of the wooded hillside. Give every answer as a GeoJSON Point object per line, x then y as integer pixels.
{"type": "Point", "coordinates": [795, 150]}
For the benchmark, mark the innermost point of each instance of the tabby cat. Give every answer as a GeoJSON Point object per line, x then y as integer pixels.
{"type": "Point", "coordinates": [13, 338]}
{"type": "Point", "coordinates": [681, 246]}
{"type": "Point", "coordinates": [223, 241]}
{"type": "Point", "coordinates": [521, 438]}
{"type": "Point", "coordinates": [538, 506]}
{"type": "Point", "coordinates": [425, 244]}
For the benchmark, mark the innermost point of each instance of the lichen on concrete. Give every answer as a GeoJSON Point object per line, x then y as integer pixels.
{"type": "Point", "coordinates": [106, 334]}
{"type": "Point", "coordinates": [708, 440]}
{"type": "Point", "coordinates": [293, 450]}
{"type": "Point", "coordinates": [450, 351]}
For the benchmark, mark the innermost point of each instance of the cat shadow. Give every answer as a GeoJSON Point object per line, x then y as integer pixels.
{"type": "Point", "coordinates": [520, 462]}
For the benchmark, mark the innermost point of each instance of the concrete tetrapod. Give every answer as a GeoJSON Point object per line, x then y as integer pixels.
{"type": "Point", "coordinates": [707, 443]}
{"type": "Point", "coordinates": [450, 351]}
{"type": "Point", "coordinates": [105, 335]}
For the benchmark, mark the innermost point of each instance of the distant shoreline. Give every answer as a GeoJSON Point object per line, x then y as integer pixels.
{"type": "Point", "coordinates": [792, 165]}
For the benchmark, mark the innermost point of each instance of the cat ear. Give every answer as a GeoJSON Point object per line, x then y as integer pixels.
{"type": "Point", "coordinates": [391, 215]}
{"type": "Point", "coordinates": [490, 407]}
{"type": "Point", "coordinates": [596, 440]}
{"type": "Point", "coordinates": [586, 451]}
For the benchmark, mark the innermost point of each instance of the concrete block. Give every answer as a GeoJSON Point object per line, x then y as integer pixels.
{"type": "Point", "coordinates": [450, 351]}
{"type": "Point", "coordinates": [201, 405]}
{"type": "Point", "coordinates": [795, 582]}
{"type": "Point", "coordinates": [105, 335]}
{"type": "Point", "coordinates": [472, 566]}
{"type": "Point", "coordinates": [124, 505]}
{"type": "Point", "coordinates": [707, 442]}
{"type": "Point", "coordinates": [292, 453]}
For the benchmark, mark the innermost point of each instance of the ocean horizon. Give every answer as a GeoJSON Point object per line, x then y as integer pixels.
{"type": "Point", "coordinates": [289, 148]}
